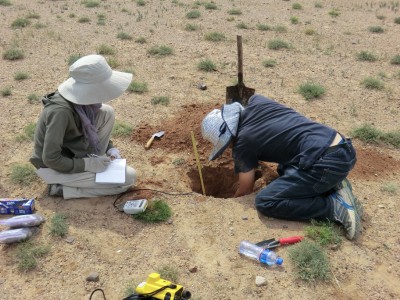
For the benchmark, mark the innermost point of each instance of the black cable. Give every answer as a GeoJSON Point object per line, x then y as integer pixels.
{"type": "Point", "coordinates": [91, 295]}
{"type": "Point", "coordinates": [146, 189]}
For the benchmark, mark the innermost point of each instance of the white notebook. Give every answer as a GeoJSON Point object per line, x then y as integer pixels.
{"type": "Point", "coordinates": [115, 172]}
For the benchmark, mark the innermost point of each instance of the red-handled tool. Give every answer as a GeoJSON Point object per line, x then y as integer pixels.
{"type": "Point", "coordinates": [272, 243]}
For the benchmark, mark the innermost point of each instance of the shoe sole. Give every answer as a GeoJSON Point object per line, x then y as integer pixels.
{"type": "Point", "coordinates": [354, 211]}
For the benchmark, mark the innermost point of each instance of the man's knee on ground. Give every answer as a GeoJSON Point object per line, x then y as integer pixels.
{"type": "Point", "coordinates": [130, 177]}
{"type": "Point", "coordinates": [264, 205]}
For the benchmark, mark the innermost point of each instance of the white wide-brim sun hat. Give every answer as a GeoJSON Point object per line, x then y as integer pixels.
{"type": "Point", "coordinates": [93, 81]}
{"type": "Point", "coordinates": [220, 126]}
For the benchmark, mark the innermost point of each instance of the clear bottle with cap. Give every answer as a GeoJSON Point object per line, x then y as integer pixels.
{"type": "Point", "coordinates": [259, 254]}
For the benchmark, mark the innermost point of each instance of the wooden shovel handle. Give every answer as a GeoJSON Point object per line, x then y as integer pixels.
{"type": "Point", "coordinates": [240, 59]}
{"type": "Point", "coordinates": [149, 142]}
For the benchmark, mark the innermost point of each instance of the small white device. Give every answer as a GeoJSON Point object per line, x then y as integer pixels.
{"type": "Point", "coordinates": [132, 207]}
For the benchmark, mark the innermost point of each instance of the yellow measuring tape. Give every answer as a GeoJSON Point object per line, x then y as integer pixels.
{"type": "Point", "coordinates": [198, 163]}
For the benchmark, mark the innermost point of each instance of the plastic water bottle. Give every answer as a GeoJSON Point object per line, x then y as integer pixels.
{"type": "Point", "coordinates": [257, 253]}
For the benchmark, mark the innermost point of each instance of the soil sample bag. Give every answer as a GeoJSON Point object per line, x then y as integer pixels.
{"type": "Point", "coordinates": [15, 235]}
{"type": "Point", "coordinates": [23, 221]}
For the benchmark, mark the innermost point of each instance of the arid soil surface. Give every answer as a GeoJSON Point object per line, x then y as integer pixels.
{"type": "Point", "coordinates": [204, 231]}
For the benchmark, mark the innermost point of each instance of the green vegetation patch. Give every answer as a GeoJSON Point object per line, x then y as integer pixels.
{"type": "Point", "coordinates": [390, 188]}
{"type": "Point", "coordinates": [58, 225]}
{"type": "Point", "coordinates": [91, 3]}
{"type": "Point", "coordinates": [124, 36]}
{"type": "Point", "coordinates": [191, 27]}
{"type": "Point", "coordinates": [311, 90]}
{"type": "Point", "coordinates": [235, 11]}
{"type": "Point", "coordinates": [395, 60]}
{"type": "Point", "coordinates": [28, 253]}
{"type": "Point", "coordinates": [20, 23]}
{"type": "Point", "coordinates": [157, 211]}
{"type": "Point", "coordinates": [27, 133]}
{"type": "Point", "coordinates": [310, 261]}
{"type": "Point", "coordinates": [73, 58]}
{"type": "Point", "coordinates": [263, 27]}
{"type": "Point", "coordinates": [6, 92]}
{"type": "Point", "coordinates": [207, 65]}
{"type": "Point", "coordinates": [370, 134]}
{"type": "Point", "coordinates": [5, 2]}
{"type": "Point", "coordinates": [160, 51]}
{"type": "Point", "coordinates": [193, 14]}
{"type": "Point", "coordinates": [121, 129]}
{"type": "Point", "coordinates": [214, 36]}
{"type": "Point", "coordinates": [138, 87]}
{"type": "Point", "coordinates": [104, 49]}
{"type": "Point", "coordinates": [23, 174]}
{"type": "Point", "coordinates": [160, 100]}
{"type": "Point", "coordinates": [372, 83]}
{"type": "Point", "coordinates": [324, 233]}
{"type": "Point", "coordinates": [21, 76]}
{"type": "Point", "coordinates": [169, 273]}
{"type": "Point", "coordinates": [376, 29]}
{"type": "Point", "coordinates": [366, 56]}
{"type": "Point", "coordinates": [269, 63]}
{"type": "Point", "coordinates": [278, 44]}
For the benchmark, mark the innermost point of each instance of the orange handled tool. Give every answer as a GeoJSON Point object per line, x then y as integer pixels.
{"type": "Point", "coordinates": [272, 243]}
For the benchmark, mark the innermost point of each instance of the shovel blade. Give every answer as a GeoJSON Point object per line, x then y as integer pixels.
{"type": "Point", "coordinates": [239, 94]}
{"type": "Point", "coordinates": [159, 134]}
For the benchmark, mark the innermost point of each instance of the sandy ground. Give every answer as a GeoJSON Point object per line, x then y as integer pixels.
{"type": "Point", "coordinates": [205, 231]}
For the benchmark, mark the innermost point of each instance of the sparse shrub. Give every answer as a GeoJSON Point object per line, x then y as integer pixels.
{"type": "Point", "coordinates": [72, 15]}
{"type": "Point", "coordinates": [280, 28]}
{"type": "Point", "coordinates": [366, 56]}
{"type": "Point", "coordinates": [138, 87]}
{"type": "Point", "coordinates": [191, 27]}
{"type": "Point", "coordinates": [104, 49]}
{"type": "Point", "coordinates": [375, 29]}
{"type": "Point", "coordinates": [157, 211]}
{"type": "Point", "coordinates": [101, 19]}
{"type": "Point", "coordinates": [140, 2]}
{"type": "Point", "coordinates": [84, 19]}
{"type": "Point", "coordinates": [310, 261]}
{"type": "Point", "coordinates": [169, 273]}
{"type": "Point", "coordinates": [397, 20]}
{"type": "Point", "coordinates": [294, 20]}
{"type": "Point", "coordinates": [278, 44]}
{"type": "Point", "coordinates": [73, 58]}
{"type": "Point", "coordinates": [269, 63]}
{"type": "Point", "coordinates": [39, 25]}
{"type": "Point", "coordinates": [91, 3]}
{"type": "Point", "coordinates": [121, 129]}
{"type": "Point", "coordinates": [395, 60]}
{"type": "Point", "coordinates": [380, 17]}
{"type": "Point", "coordinates": [27, 254]}
{"type": "Point", "coordinates": [242, 25]}
{"type": "Point", "coordinates": [160, 100]}
{"type": "Point", "coordinates": [297, 6]}
{"type": "Point", "coordinates": [210, 5]}
{"type": "Point", "coordinates": [21, 76]}
{"type": "Point", "coordinates": [324, 233]}
{"type": "Point", "coordinates": [23, 174]}
{"type": "Point", "coordinates": [310, 31]}
{"type": "Point", "coordinates": [334, 13]}
{"type": "Point", "coordinates": [6, 92]}
{"type": "Point", "coordinates": [33, 15]}
{"type": "Point", "coordinates": [311, 90]}
{"type": "Point", "coordinates": [263, 27]}
{"type": "Point", "coordinates": [390, 188]}
{"type": "Point", "coordinates": [372, 83]}
{"type": "Point", "coordinates": [193, 14]}
{"type": "Point", "coordinates": [214, 36]}
{"type": "Point", "coordinates": [33, 98]}
{"type": "Point", "coordinates": [27, 133]}
{"type": "Point", "coordinates": [124, 36]}
{"type": "Point", "coordinates": [5, 2]}
{"type": "Point", "coordinates": [160, 51]}
{"type": "Point", "coordinates": [58, 225]}
{"type": "Point", "coordinates": [235, 12]}
{"type": "Point", "coordinates": [113, 62]}
{"type": "Point", "coordinates": [370, 134]}
{"type": "Point", "coordinates": [20, 23]}
{"type": "Point", "coordinates": [318, 5]}
{"type": "Point", "coordinates": [207, 65]}
{"type": "Point", "coordinates": [141, 40]}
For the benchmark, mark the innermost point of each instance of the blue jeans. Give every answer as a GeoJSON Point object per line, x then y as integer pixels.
{"type": "Point", "coordinates": [303, 194]}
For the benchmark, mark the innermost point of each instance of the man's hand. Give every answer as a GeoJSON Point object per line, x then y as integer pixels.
{"type": "Point", "coordinates": [113, 153]}
{"type": "Point", "coordinates": [246, 183]}
{"type": "Point", "coordinates": [96, 164]}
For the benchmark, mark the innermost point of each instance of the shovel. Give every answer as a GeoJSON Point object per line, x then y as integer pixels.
{"type": "Point", "coordinates": [150, 141]}
{"type": "Point", "coordinates": [239, 93]}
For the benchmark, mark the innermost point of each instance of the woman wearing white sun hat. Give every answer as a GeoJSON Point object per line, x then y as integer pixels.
{"type": "Point", "coordinates": [72, 137]}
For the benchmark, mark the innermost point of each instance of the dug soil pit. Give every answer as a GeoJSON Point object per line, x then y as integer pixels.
{"type": "Point", "coordinates": [220, 180]}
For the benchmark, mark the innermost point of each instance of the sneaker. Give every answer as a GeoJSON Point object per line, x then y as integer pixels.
{"type": "Point", "coordinates": [357, 204]}
{"type": "Point", "coordinates": [56, 190]}
{"type": "Point", "coordinates": [345, 210]}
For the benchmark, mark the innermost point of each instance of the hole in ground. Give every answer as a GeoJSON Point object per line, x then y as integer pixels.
{"type": "Point", "coordinates": [219, 181]}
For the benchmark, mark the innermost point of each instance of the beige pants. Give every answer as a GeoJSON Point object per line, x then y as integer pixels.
{"type": "Point", "coordinates": [83, 185]}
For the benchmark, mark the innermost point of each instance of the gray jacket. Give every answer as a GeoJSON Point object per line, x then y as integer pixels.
{"type": "Point", "coordinates": [59, 140]}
